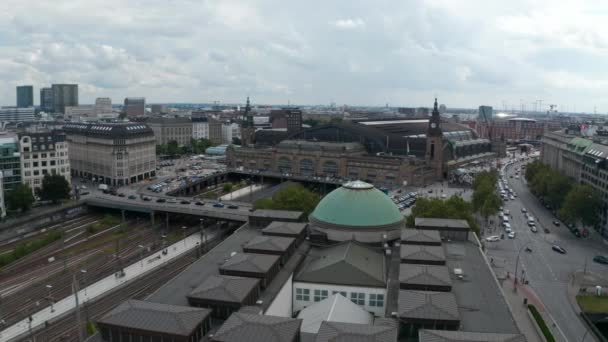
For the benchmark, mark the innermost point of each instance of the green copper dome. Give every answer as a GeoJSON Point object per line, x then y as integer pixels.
{"type": "Point", "coordinates": [357, 204]}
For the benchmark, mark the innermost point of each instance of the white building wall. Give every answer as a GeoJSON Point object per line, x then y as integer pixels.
{"type": "Point", "coordinates": [226, 134]}
{"type": "Point", "coordinates": [200, 130]}
{"type": "Point", "coordinates": [34, 164]}
{"type": "Point", "coordinates": [299, 305]}
{"type": "Point", "coordinates": [282, 303]}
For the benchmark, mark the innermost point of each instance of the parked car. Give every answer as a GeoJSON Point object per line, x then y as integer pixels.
{"type": "Point", "coordinates": [185, 202]}
{"type": "Point", "coordinates": [132, 197]}
{"type": "Point", "coordinates": [146, 198]}
{"type": "Point", "coordinates": [511, 235]}
{"type": "Point", "coordinates": [121, 194]}
{"type": "Point", "coordinates": [172, 200]}
{"type": "Point", "coordinates": [161, 200]}
{"type": "Point", "coordinates": [199, 203]}
{"type": "Point", "coordinates": [233, 207]}
{"type": "Point", "coordinates": [556, 223]}
{"type": "Point", "coordinates": [600, 259]}
{"type": "Point", "coordinates": [493, 238]}
{"type": "Point", "coordinates": [218, 205]}
{"type": "Point", "coordinates": [523, 210]}
{"type": "Point", "coordinates": [558, 249]}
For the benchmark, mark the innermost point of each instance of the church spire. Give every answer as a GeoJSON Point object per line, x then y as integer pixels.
{"type": "Point", "coordinates": [435, 109]}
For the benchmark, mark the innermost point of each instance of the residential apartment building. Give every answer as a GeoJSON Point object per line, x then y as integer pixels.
{"type": "Point", "coordinates": [200, 127]}
{"type": "Point", "coordinates": [134, 106]}
{"type": "Point", "coordinates": [171, 129]}
{"type": "Point", "coordinates": [64, 95]}
{"type": "Point", "coordinates": [25, 96]}
{"type": "Point", "coordinates": [46, 100]}
{"type": "Point", "coordinates": [10, 165]}
{"type": "Point", "coordinates": [16, 114]}
{"type": "Point", "coordinates": [114, 154]}
{"type": "Point", "coordinates": [42, 154]}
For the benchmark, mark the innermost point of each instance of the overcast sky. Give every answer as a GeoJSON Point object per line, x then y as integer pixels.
{"type": "Point", "coordinates": [401, 52]}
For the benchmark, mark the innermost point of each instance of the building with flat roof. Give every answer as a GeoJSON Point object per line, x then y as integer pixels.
{"type": "Point", "coordinates": [10, 161]}
{"type": "Point", "coordinates": [296, 230]}
{"type": "Point", "coordinates": [103, 105]}
{"type": "Point", "coordinates": [263, 217]}
{"type": "Point", "coordinates": [2, 203]}
{"type": "Point", "coordinates": [357, 211]}
{"type": "Point", "coordinates": [41, 154]}
{"type": "Point", "coordinates": [136, 320]}
{"type": "Point", "coordinates": [134, 106]}
{"type": "Point", "coordinates": [287, 118]}
{"type": "Point", "coordinates": [200, 127]}
{"type": "Point", "coordinates": [25, 96]}
{"type": "Point", "coordinates": [64, 95]}
{"type": "Point", "coordinates": [46, 100]}
{"type": "Point", "coordinates": [273, 245]}
{"type": "Point", "coordinates": [16, 114]}
{"type": "Point", "coordinates": [171, 129]}
{"type": "Point", "coordinates": [114, 154]}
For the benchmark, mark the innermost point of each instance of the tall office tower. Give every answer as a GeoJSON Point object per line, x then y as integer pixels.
{"type": "Point", "coordinates": [486, 113]}
{"type": "Point", "coordinates": [103, 105]}
{"type": "Point", "coordinates": [25, 96]}
{"type": "Point", "coordinates": [46, 100]}
{"type": "Point", "coordinates": [135, 106]}
{"type": "Point", "coordinates": [64, 95]}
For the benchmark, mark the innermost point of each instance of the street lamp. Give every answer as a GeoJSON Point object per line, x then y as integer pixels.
{"type": "Point", "coordinates": [84, 280]}
{"type": "Point", "coordinates": [50, 287]}
{"type": "Point", "coordinates": [141, 254]}
{"type": "Point", "coordinates": [517, 264]}
{"type": "Point", "coordinates": [184, 230]}
{"type": "Point", "coordinates": [163, 242]}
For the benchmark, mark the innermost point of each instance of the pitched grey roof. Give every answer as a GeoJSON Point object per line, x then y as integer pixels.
{"type": "Point", "coordinates": [270, 243]}
{"type": "Point", "coordinates": [292, 228]}
{"type": "Point", "coordinates": [252, 328]}
{"type": "Point", "coordinates": [351, 332]}
{"type": "Point", "coordinates": [424, 275]}
{"type": "Point", "coordinates": [416, 252]}
{"type": "Point", "coordinates": [333, 309]}
{"type": "Point", "coordinates": [441, 223]}
{"type": "Point", "coordinates": [225, 288]}
{"type": "Point", "coordinates": [348, 263]}
{"type": "Point", "coordinates": [465, 336]}
{"type": "Point", "coordinates": [419, 235]}
{"type": "Point", "coordinates": [154, 317]}
{"type": "Point", "coordinates": [428, 305]}
{"type": "Point", "coordinates": [279, 214]}
{"type": "Point", "coordinates": [248, 262]}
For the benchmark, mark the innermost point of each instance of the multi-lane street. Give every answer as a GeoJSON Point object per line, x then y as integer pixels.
{"type": "Point", "coordinates": [547, 271]}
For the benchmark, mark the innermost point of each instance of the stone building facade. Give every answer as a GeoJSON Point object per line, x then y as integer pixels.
{"type": "Point", "coordinates": [42, 154]}
{"type": "Point", "coordinates": [171, 129]}
{"type": "Point", "coordinates": [114, 154]}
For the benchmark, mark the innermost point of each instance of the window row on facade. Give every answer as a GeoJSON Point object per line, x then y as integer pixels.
{"type": "Point", "coordinates": [375, 300]}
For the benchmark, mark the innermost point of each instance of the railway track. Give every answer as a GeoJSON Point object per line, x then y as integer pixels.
{"type": "Point", "coordinates": [65, 329]}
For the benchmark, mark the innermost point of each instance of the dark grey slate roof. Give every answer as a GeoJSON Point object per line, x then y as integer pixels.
{"type": "Point", "coordinates": [154, 317]}
{"type": "Point", "coordinates": [248, 262]}
{"type": "Point", "coordinates": [441, 223]}
{"type": "Point", "coordinates": [270, 243]}
{"type": "Point", "coordinates": [225, 288]}
{"type": "Point", "coordinates": [465, 336]}
{"type": "Point", "coordinates": [108, 130]}
{"type": "Point", "coordinates": [252, 328]}
{"type": "Point", "coordinates": [279, 214]}
{"type": "Point", "coordinates": [424, 275]}
{"type": "Point", "coordinates": [419, 235]}
{"type": "Point", "coordinates": [428, 305]}
{"type": "Point", "coordinates": [347, 263]}
{"type": "Point", "coordinates": [350, 332]}
{"type": "Point", "coordinates": [416, 252]}
{"type": "Point", "coordinates": [292, 228]}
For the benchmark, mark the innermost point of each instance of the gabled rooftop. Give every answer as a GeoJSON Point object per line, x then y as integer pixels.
{"type": "Point", "coordinates": [154, 317]}
{"type": "Point", "coordinates": [418, 236]}
{"type": "Point", "coordinates": [225, 288]}
{"type": "Point", "coordinates": [285, 228]}
{"type": "Point", "coordinates": [334, 309]}
{"type": "Point", "coordinates": [350, 332]}
{"type": "Point", "coordinates": [252, 328]}
{"type": "Point", "coordinates": [248, 262]}
{"type": "Point", "coordinates": [424, 275]}
{"type": "Point", "coordinates": [349, 263]}
{"type": "Point", "coordinates": [422, 254]}
{"type": "Point", "coordinates": [441, 223]}
{"type": "Point", "coordinates": [427, 305]}
{"type": "Point", "coordinates": [270, 243]}
{"type": "Point", "coordinates": [425, 335]}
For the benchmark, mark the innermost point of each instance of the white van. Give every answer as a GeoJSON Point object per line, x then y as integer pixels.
{"type": "Point", "coordinates": [505, 218]}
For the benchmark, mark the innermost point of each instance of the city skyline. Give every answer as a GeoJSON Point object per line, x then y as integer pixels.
{"type": "Point", "coordinates": [400, 53]}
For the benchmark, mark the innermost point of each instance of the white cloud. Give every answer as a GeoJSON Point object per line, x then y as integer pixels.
{"type": "Point", "coordinates": [348, 24]}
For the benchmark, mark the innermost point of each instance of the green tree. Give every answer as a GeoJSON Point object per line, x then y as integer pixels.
{"type": "Point", "coordinates": [54, 188]}
{"type": "Point", "coordinates": [485, 196]}
{"type": "Point", "coordinates": [557, 186]}
{"type": "Point", "coordinates": [582, 204]}
{"type": "Point", "coordinates": [20, 198]}
{"type": "Point", "coordinates": [453, 208]}
{"type": "Point", "coordinates": [311, 122]}
{"type": "Point", "coordinates": [161, 149]}
{"type": "Point", "coordinates": [173, 148]}
{"type": "Point", "coordinates": [294, 197]}
{"type": "Point", "coordinates": [200, 145]}
{"type": "Point", "coordinates": [227, 187]}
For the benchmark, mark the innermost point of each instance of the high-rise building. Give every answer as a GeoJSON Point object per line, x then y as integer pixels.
{"type": "Point", "coordinates": [159, 109]}
{"type": "Point", "coordinates": [10, 163]}
{"type": "Point", "coordinates": [486, 113]}
{"type": "Point", "coordinates": [46, 100]}
{"type": "Point", "coordinates": [215, 131]}
{"type": "Point", "coordinates": [114, 154]}
{"type": "Point", "coordinates": [25, 96]}
{"type": "Point", "coordinates": [135, 106]}
{"type": "Point", "coordinates": [290, 118]}
{"type": "Point", "coordinates": [41, 154]}
{"type": "Point", "coordinates": [103, 105]}
{"type": "Point", "coordinates": [64, 95]}
{"type": "Point", "coordinates": [16, 114]}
